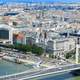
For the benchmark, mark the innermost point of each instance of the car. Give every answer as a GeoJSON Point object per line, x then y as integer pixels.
{"type": "Point", "coordinates": [59, 68]}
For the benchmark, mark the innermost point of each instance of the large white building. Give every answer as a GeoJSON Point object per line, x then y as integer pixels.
{"type": "Point", "coordinates": [9, 35]}
{"type": "Point", "coordinates": [6, 34]}
{"type": "Point", "coordinates": [60, 45]}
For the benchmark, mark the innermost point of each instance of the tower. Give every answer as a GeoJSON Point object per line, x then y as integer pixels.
{"type": "Point", "coordinates": [77, 51]}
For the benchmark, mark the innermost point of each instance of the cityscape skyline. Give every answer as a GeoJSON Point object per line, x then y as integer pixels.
{"type": "Point", "coordinates": [62, 1]}
{"type": "Point", "coordinates": [39, 39]}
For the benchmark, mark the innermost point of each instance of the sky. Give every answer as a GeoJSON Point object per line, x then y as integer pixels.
{"type": "Point", "coordinates": [40, 1]}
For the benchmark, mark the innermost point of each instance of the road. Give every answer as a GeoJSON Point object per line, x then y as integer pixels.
{"type": "Point", "coordinates": [42, 72]}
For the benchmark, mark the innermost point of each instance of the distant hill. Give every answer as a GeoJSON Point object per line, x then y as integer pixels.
{"type": "Point", "coordinates": [67, 1]}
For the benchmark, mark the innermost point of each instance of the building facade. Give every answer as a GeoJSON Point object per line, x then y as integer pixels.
{"type": "Point", "coordinates": [60, 45]}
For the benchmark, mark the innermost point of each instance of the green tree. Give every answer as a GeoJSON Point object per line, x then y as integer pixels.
{"type": "Point", "coordinates": [17, 46]}
{"type": "Point", "coordinates": [11, 46]}
{"type": "Point", "coordinates": [14, 23]}
{"type": "Point", "coordinates": [0, 49]}
{"type": "Point", "coordinates": [26, 48]}
{"type": "Point", "coordinates": [68, 55]}
{"type": "Point", "coordinates": [37, 50]}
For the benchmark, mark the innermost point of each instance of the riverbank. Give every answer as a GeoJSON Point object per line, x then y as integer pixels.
{"type": "Point", "coordinates": [35, 61]}
{"type": "Point", "coordinates": [25, 61]}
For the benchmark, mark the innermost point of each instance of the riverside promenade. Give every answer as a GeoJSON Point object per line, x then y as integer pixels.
{"type": "Point", "coordinates": [40, 72]}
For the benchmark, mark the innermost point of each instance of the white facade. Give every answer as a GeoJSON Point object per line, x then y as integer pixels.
{"type": "Point", "coordinates": [10, 29]}
{"type": "Point", "coordinates": [61, 45]}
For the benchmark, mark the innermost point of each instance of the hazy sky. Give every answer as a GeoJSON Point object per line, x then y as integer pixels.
{"type": "Point", "coordinates": [39, 0]}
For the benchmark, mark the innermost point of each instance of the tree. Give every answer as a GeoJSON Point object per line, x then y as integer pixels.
{"type": "Point", "coordinates": [11, 46]}
{"type": "Point", "coordinates": [0, 49]}
{"type": "Point", "coordinates": [37, 50]}
{"type": "Point", "coordinates": [26, 48]}
{"type": "Point", "coordinates": [51, 55]}
{"type": "Point", "coordinates": [14, 23]}
{"type": "Point", "coordinates": [70, 54]}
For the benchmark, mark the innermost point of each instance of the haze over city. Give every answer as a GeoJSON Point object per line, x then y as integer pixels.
{"type": "Point", "coordinates": [39, 39]}
{"type": "Point", "coordinates": [67, 1]}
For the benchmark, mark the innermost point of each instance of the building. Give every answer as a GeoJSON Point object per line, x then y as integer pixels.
{"type": "Point", "coordinates": [20, 34]}
{"type": "Point", "coordinates": [6, 34]}
{"type": "Point", "coordinates": [60, 45]}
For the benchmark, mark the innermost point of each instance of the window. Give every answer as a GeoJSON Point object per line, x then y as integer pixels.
{"type": "Point", "coordinates": [4, 34]}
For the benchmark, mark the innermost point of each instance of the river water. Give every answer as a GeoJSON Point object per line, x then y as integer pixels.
{"type": "Point", "coordinates": [60, 76]}
{"type": "Point", "coordinates": [7, 68]}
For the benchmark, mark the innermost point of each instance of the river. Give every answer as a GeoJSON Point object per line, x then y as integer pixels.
{"type": "Point", "coordinates": [7, 68]}
{"type": "Point", "coordinates": [60, 76]}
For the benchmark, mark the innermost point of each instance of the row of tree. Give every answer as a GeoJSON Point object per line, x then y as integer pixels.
{"type": "Point", "coordinates": [27, 48]}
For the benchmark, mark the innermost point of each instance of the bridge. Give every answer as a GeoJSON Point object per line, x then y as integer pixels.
{"type": "Point", "coordinates": [27, 75]}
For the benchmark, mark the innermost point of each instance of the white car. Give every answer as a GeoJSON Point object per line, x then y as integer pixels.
{"type": "Point", "coordinates": [60, 68]}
